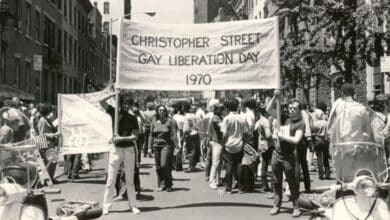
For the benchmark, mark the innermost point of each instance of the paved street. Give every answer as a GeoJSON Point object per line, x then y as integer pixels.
{"type": "Point", "coordinates": [191, 198]}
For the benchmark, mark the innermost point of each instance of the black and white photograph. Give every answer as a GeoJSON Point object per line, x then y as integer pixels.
{"type": "Point", "coordinates": [194, 109]}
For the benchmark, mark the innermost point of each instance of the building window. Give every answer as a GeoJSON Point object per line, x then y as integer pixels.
{"type": "Point", "coordinates": [70, 12]}
{"type": "Point", "coordinates": [75, 53]}
{"type": "Point", "coordinates": [75, 16]}
{"type": "Point", "coordinates": [78, 21]}
{"type": "Point", "coordinates": [106, 9]}
{"type": "Point", "coordinates": [59, 4]}
{"type": "Point", "coordinates": [17, 73]}
{"type": "Point", "coordinates": [46, 31]}
{"type": "Point", "coordinates": [28, 77]}
{"type": "Point", "coordinates": [37, 26]}
{"type": "Point", "coordinates": [59, 40]}
{"type": "Point", "coordinates": [17, 14]}
{"type": "Point", "coordinates": [2, 66]}
{"type": "Point", "coordinates": [65, 46]}
{"type": "Point", "coordinates": [106, 26]}
{"type": "Point", "coordinates": [95, 4]}
{"type": "Point", "coordinates": [28, 19]}
{"type": "Point", "coordinates": [70, 49]}
{"type": "Point", "coordinates": [65, 8]}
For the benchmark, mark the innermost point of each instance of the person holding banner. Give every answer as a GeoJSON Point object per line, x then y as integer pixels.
{"type": "Point", "coordinates": [283, 159]}
{"type": "Point", "coordinates": [124, 149]}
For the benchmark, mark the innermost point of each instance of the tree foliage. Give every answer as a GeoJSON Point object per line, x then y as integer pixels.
{"type": "Point", "coordinates": [345, 34]}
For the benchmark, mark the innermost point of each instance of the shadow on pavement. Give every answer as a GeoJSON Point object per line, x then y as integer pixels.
{"type": "Point", "coordinates": [143, 197]}
{"type": "Point", "coordinates": [120, 211]}
{"type": "Point", "coordinates": [175, 179]}
{"type": "Point", "coordinates": [146, 165]}
{"type": "Point", "coordinates": [174, 189]}
{"type": "Point", "coordinates": [147, 190]}
{"type": "Point", "coordinates": [90, 181]}
{"type": "Point", "coordinates": [215, 204]}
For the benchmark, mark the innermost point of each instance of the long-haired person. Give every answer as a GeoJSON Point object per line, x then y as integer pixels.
{"type": "Point", "coordinates": [123, 150]}
{"type": "Point", "coordinates": [163, 139]}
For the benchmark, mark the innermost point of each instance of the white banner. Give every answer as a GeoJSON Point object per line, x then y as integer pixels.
{"type": "Point", "coordinates": [385, 64]}
{"type": "Point", "coordinates": [84, 124]}
{"type": "Point", "coordinates": [212, 56]}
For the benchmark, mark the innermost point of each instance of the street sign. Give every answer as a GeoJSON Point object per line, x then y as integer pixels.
{"type": "Point", "coordinates": [37, 62]}
{"type": "Point", "coordinates": [385, 64]}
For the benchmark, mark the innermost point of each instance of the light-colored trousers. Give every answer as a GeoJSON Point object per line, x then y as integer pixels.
{"type": "Point", "coordinates": [216, 155]}
{"type": "Point", "coordinates": [118, 154]}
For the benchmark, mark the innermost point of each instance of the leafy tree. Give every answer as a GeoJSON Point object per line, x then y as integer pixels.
{"type": "Point", "coordinates": [317, 34]}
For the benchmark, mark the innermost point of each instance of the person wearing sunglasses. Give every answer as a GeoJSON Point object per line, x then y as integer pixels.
{"type": "Point", "coordinates": [163, 140]}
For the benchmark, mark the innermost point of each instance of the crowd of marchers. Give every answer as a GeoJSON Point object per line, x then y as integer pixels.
{"type": "Point", "coordinates": [236, 142]}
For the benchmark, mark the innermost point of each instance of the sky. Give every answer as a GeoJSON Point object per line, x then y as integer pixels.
{"type": "Point", "coordinates": [167, 11]}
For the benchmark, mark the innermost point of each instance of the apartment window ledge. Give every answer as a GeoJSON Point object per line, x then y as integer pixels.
{"type": "Point", "coordinates": [39, 43]}
{"type": "Point", "coordinates": [28, 37]}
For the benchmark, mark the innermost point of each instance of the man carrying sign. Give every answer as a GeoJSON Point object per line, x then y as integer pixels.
{"type": "Point", "coordinates": [124, 150]}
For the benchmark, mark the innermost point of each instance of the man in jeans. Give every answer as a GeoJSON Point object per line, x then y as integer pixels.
{"type": "Point", "coordinates": [283, 159]}
{"type": "Point", "coordinates": [233, 129]}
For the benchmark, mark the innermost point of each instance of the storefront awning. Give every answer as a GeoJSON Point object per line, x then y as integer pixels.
{"type": "Point", "coordinates": [7, 91]}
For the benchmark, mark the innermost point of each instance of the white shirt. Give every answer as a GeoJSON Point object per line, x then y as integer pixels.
{"type": "Point", "coordinates": [179, 121]}
{"type": "Point", "coordinates": [189, 121]}
{"type": "Point", "coordinates": [199, 115]}
{"type": "Point", "coordinates": [249, 117]}
{"type": "Point", "coordinates": [234, 127]}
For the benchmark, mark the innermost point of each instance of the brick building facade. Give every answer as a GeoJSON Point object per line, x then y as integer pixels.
{"type": "Point", "coordinates": [57, 31]}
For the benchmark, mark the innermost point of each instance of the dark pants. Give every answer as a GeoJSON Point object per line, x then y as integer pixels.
{"type": "Point", "coordinates": [120, 183]}
{"type": "Point", "coordinates": [266, 161]}
{"type": "Point", "coordinates": [140, 142]}
{"type": "Point", "coordinates": [247, 178]}
{"type": "Point", "coordinates": [208, 160]}
{"type": "Point", "coordinates": [162, 157]}
{"type": "Point", "coordinates": [286, 164]}
{"type": "Point", "coordinates": [301, 162]}
{"type": "Point", "coordinates": [233, 168]}
{"type": "Point", "coordinates": [72, 164]}
{"type": "Point", "coordinates": [146, 142]}
{"type": "Point", "coordinates": [322, 153]}
{"type": "Point", "coordinates": [178, 160]}
{"type": "Point", "coordinates": [193, 151]}
{"type": "Point", "coordinates": [51, 169]}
